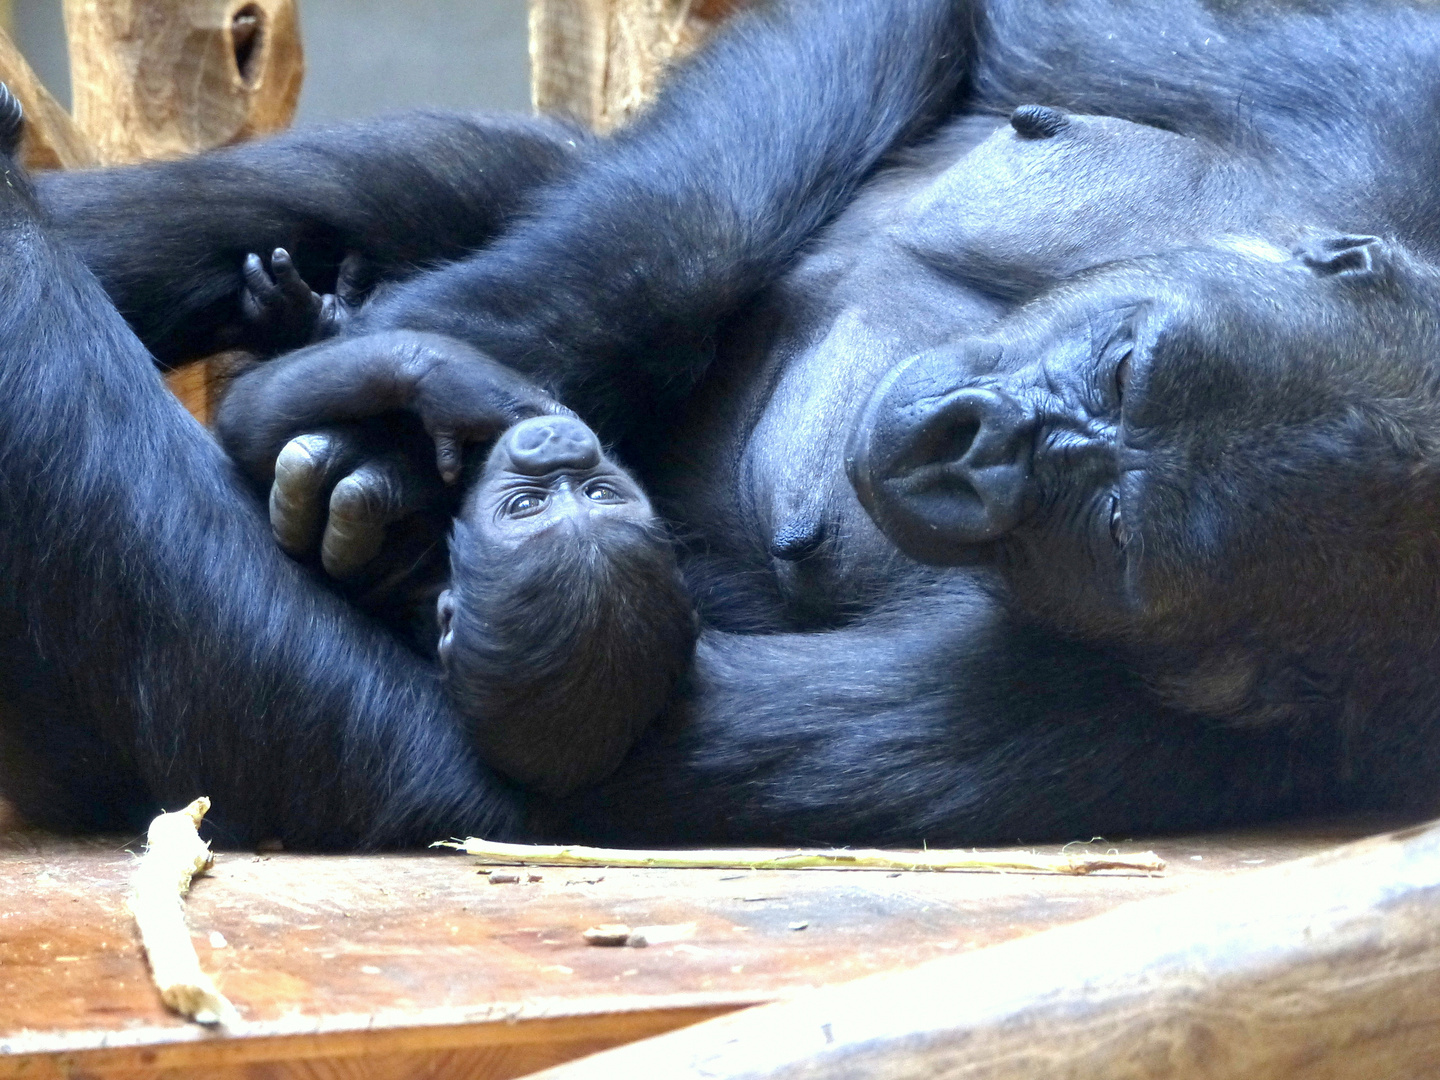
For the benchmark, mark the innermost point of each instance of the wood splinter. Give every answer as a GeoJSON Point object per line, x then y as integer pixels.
{"type": "Point", "coordinates": [934, 859]}
{"type": "Point", "coordinates": [174, 854]}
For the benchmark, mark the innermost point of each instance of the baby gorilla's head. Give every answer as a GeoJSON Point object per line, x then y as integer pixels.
{"type": "Point", "coordinates": [566, 623]}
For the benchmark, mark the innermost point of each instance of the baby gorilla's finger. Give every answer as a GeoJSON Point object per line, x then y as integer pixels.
{"type": "Point", "coordinates": [260, 292]}
{"type": "Point", "coordinates": [448, 455]}
{"type": "Point", "coordinates": [306, 468]}
{"type": "Point", "coordinates": [354, 280]}
{"type": "Point", "coordinates": [375, 495]}
{"type": "Point", "coordinates": [294, 287]}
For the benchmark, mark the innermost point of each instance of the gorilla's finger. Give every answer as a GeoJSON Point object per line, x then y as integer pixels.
{"type": "Point", "coordinates": [294, 287]}
{"type": "Point", "coordinates": [448, 456]}
{"type": "Point", "coordinates": [380, 492]}
{"type": "Point", "coordinates": [260, 291]}
{"type": "Point", "coordinates": [304, 471]}
{"type": "Point", "coordinates": [354, 280]}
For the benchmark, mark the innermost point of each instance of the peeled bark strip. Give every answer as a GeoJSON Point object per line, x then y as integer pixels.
{"type": "Point", "coordinates": [165, 78]}
{"type": "Point", "coordinates": [933, 859]}
{"type": "Point", "coordinates": [599, 61]}
{"type": "Point", "coordinates": [174, 854]}
{"type": "Point", "coordinates": [51, 139]}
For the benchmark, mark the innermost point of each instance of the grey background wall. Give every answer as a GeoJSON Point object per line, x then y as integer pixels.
{"type": "Point", "coordinates": [361, 56]}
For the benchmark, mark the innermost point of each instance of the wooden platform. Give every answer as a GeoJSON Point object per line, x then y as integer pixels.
{"type": "Point", "coordinates": [417, 966]}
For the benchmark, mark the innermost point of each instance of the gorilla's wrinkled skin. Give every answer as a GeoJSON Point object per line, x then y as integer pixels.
{"type": "Point", "coordinates": [1144, 378]}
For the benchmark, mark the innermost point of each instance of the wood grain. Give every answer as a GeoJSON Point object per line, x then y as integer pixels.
{"type": "Point", "coordinates": [414, 965]}
{"type": "Point", "coordinates": [165, 78]}
{"type": "Point", "coordinates": [51, 139]}
{"type": "Point", "coordinates": [1324, 970]}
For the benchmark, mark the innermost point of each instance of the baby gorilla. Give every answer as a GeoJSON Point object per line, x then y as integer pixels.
{"type": "Point", "coordinates": [564, 623]}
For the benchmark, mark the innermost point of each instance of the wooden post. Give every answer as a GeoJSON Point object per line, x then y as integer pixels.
{"type": "Point", "coordinates": [51, 140]}
{"type": "Point", "coordinates": [165, 78]}
{"type": "Point", "coordinates": [1326, 969]}
{"type": "Point", "coordinates": [599, 61]}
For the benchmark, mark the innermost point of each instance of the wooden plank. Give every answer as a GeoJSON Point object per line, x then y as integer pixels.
{"type": "Point", "coordinates": [1324, 970]}
{"type": "Point", "coordinates": [166, 78]}
{"type": "Point", "coordinates": [412, 962]}
{"type": "Point", "coordinates": [599, 61]}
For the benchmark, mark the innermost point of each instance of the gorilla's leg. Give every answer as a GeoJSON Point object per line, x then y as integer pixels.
{"type": "Point", "coordinates": [168, 240]}
{"type": "Point", "coordinates": [154, 644]}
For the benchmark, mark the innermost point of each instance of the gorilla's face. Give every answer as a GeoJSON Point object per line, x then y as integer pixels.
{"type": "Point", "coordinates": [1232, 441]}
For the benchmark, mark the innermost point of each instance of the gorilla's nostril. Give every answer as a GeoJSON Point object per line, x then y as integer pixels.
{"type": "Point", "coordinates": [1038, 121]}
{"type": "Point", "coordinates": [940, 443]}
{"type": "Point", "coordinates": [942, 473]}
{"type": "Point", "coordinates": [543, 444]}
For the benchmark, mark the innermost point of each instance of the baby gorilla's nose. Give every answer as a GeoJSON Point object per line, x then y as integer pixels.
{"type": "Point", "coordinates": [544, 444]}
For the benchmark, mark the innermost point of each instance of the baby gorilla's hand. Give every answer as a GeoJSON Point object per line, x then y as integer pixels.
{"type": "Point", "coordinates": [465, 399]}
{"type": "Point", "coordinates": [282, 312]}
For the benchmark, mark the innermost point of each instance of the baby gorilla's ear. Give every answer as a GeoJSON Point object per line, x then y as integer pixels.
{"type": "Point", "coordinates": [1347, 256]}
{"type": "Point", "coordinates": [12, 121]}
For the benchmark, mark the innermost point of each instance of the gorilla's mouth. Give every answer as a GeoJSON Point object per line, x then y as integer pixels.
{"type": "Point", "coordinates": [941, 468]}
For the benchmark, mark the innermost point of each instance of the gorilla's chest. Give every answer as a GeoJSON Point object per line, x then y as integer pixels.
{"type": "Point", "coordinates": [760, 490]}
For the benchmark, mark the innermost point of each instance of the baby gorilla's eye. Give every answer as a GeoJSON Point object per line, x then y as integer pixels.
{"type": "Point", "coordinates": [603, 493]}
{"type": "Point", "coordinates": [524, 505]}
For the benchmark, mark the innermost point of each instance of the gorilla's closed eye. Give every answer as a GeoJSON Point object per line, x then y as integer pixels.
{"type": "Point", "coordinates": [1122, 375]}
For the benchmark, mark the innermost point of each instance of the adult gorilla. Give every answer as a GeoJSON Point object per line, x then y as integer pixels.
{"type": "Point", "coordinates": [1275, 653]}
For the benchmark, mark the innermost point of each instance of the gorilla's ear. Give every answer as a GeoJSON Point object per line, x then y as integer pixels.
{"type": "Point", "coordinates": [1330, 256]}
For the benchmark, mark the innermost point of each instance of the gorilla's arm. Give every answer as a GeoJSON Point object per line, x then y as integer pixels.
{"type": "Point", "coordinates": [168, 240]}
{"type": "Point", "coordinates": [944, 723]}
{"type": "Point", "coordinates": [154, 644]}
{"type": "Point", "coordinates": [610, 294]}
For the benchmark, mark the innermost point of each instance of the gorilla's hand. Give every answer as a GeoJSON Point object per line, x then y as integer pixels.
{"type": "Point", "coordinates": [357, 433]}
{"type": "Point", "coordinates": [282, 312]}
{"type": "Point", "coordinates": [337, 490]}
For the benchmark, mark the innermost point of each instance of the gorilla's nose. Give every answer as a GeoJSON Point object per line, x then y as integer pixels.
{"type": "Point", "coordinates": [941, 473]}
{"type": "Point", "coordinates": [544, 444]}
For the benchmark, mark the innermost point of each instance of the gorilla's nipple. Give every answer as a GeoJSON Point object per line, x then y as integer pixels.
{"type": "Point", "coordinates": [1038, 121]}
{"type": "Point", "coordinates": [797, 539]}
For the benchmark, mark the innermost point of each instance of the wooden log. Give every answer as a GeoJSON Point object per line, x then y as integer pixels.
{"type": "Point", "coordinates": [51, 140]}
{"type": "Point", "coordinates": [165, 78]}
{"type": "Point", "coordinates": [599, 61]}
{"type": "Point", "coordinates": [1328, 969]}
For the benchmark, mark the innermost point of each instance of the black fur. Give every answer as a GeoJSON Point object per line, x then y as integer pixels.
{"type": "Point", "coordinates": [718, 288]}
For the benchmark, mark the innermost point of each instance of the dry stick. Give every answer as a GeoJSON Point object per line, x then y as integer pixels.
{"type": "Point", "coordinates": [174, 854]}
{"type": "Point", "coordinates": [859, 859]}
